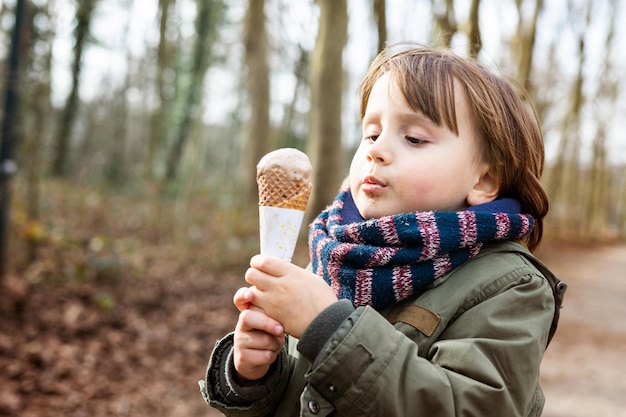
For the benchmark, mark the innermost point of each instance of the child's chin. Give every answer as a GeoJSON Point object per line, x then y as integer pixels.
{"type": "Point", "coordinates": [372, 210]}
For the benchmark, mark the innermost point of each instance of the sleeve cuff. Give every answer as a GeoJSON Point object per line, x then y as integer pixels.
{"type": "Point", "coordinates": [322, 328]}
{"type": "Point", "coordinates": [221, 378]}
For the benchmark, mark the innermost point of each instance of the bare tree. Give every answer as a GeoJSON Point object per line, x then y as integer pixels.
{"type": "Point", "coordinates": [326, 80]}
{"type": "Point", "coordinates": [445, 22]}
{"type": "Point", "coordinates": [287, 135]}
{"type": "Point", "coordinates": [116, 166]}
{"type": "Point", "coordinates": [597, 196]}
{"type": "Point", "coordinates": [620, 202]}
{"type": "Point", "coordinates": [524, 42]}
{"type": "Point", "coordinates": [563, 181]}
{"type": "Point", "coordinates": [209, 14]}
{"type": "Point", "coordinates": [84, 13]}
{"type": "Point", "coordinates": [258, 132]}
{"type": "Point", "coordinates": [380, 16]}
{"type": "Point", "coordinates": [36, 121]}
{"type": "Point", "coordinates": [473, 30]}
{"type": "Point", "coordinates": [10, 123]}
{"type": "Point", "coordinates": [165, 85]}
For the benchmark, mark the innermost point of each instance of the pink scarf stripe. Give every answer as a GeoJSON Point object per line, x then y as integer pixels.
{"type": "Point", "coordinates": [382, 256]}
{"type": "Point", "coordinates": [337, 257]}
{"type": "Point", "coordinates": [352, 232]}
{"type": "Point", "coordinates": [430, 234]}
{"type": "Point", "coordinates": [475, 250]}
{"type": "Point", "coordinates": [387, 228]}
{"type": "Point", "coordinates": [503, 225]}
{"type": "Point", "coordinates": [316, 251]}
{"type": "Point", "coordinates": [442, 265]}
{"type": "Point", "coordinates": [525, 228]}
{"type": "Point", "coordinates": [402, 282]}
{"type": "Point", "coordinates": [363, 288]}
{"type": "Point", "coordinates": [469, 232]}
{"type": "Point", "coordinates": [334, 220]}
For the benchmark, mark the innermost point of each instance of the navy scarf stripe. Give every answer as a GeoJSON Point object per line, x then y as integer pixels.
{"type": "Point", "coordinates": [381, 261]}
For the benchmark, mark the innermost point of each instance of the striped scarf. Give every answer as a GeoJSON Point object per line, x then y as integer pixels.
{"type": "Point", "coordinates": [379, 262]}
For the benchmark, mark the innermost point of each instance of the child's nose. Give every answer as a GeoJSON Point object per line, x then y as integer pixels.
{"type": "Point", "coordinates": [379, 151]}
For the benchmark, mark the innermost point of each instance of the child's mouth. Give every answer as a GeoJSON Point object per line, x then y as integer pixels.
{"type": "Point", "coordinates": [371, 185]}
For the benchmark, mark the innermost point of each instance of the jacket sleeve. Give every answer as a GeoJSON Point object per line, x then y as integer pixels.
{"type": "Point", "coordinates": [484, 363]}
{"type": "Point", "coordinates": [221, 391]}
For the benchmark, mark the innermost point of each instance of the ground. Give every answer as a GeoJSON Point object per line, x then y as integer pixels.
{"type": "Point", "coordinates": [584, 370]}
{"type": "Point", "coordinates": [113, 347]}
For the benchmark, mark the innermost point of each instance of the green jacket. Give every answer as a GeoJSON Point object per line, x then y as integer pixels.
{"type": "Point", "coordinates": [470, 346]}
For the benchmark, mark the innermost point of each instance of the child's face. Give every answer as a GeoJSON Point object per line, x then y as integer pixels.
{"type": "Point", "coordinates": [406, 163]}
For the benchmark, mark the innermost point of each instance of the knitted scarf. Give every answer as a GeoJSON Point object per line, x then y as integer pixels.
{"type": "Point", "coordinates": [379, 262]}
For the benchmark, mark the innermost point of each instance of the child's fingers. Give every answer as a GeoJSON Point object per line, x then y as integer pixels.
{"type": "Point", "coordinates": [256, 319]}
{"type": "Point", "coordinates": [252, 363]}
{"type": "Point", "coordinates": [243, 298]}
{"type": "Point", "coordinates": [254, 352]}
{"type": "Point", "coordinates": [258, 277]}
{"type": "Point", "coordinates": [270, 265]}
{"type": "Point", "coordinates": [257, 340]}
{"type": "Point", "coordinates": [247, 360]}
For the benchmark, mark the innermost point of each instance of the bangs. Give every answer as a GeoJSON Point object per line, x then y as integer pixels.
{"type": "Point", "coordinates": [425, 80]}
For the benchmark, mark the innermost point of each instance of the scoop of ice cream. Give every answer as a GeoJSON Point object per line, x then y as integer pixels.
{"type": "Point", "coordinates": [284, 179]}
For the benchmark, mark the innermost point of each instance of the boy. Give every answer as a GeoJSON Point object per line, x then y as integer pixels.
{"type": "Point", "coordinates": [423, 298]}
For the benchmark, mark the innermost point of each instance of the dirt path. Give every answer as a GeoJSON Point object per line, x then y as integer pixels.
{"type": "Point", "coordinates": [68, 355]}
{"type": "Point", "coordinates": [584, 370]}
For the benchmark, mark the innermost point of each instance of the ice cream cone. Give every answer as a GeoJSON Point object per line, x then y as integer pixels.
{"type": "Point", "coordinates": [284, 180]}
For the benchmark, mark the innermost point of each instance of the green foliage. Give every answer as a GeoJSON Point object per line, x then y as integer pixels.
{"type": "Point", "coordinates": [105, 301]}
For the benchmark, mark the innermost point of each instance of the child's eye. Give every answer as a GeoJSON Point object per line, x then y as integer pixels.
{"type": "Point", "coordinates": [415, 141]}
{"type": "Point", "coordinates": [370, 138]}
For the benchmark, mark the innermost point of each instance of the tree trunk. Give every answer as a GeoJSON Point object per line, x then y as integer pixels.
{"type": "Point", "coordinates": [563, 185]}
{"type": "Point", "coordinates": [62, 150]}
{"type": "Point", "coordinates": [380, 15]}
{"type": "Point", "coordinates": [598, 207]}
{"type": "Point", "coordinates": [473, 33]}
{"type": "Point", "coordinates": [325, 147]}
{"type": "Point", "coordinates": [620, 202]}
{"type": "Point", "coordinates": [524, 43]}
{"type": "Point", "coordinates": [10, 125]}
{"type": "Point", "coordinates": [287, 134]}
{"type": "Point", "coordinates": [209, 12]}
{"type": "Point", "coordinates": [165, 87]}
{"type": "Point", "coordinates": [35, 130]}
{"type": "Point", "coordinates": [258, 131]}
{"type": "Point", "coordinates": [116, 166]}
{"type": "Point", "coordinates": [445, 23]}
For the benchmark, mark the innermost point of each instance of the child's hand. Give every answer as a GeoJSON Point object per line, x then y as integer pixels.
{"type": "Point", "coordinates": [291, 295]}
{"type": "Point", "coordinates": [257, 341]}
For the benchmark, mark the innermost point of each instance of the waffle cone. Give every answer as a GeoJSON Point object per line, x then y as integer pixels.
{"type": "Point", "coordinates": [279, 189]}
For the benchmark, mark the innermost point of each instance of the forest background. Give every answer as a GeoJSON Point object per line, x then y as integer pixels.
{"type": "Point", "coordinates": [131, 132]}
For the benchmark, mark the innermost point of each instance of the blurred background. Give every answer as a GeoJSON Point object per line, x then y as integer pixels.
{"type": "Point", "coordinates": [130, 135]}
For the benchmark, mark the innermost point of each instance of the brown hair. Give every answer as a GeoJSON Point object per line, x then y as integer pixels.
{"type": "Point", "coordinates": [504, 118]}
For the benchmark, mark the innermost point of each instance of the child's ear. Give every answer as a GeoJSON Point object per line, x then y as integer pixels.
{"type": "Point", "coordinates": [485, 189]}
